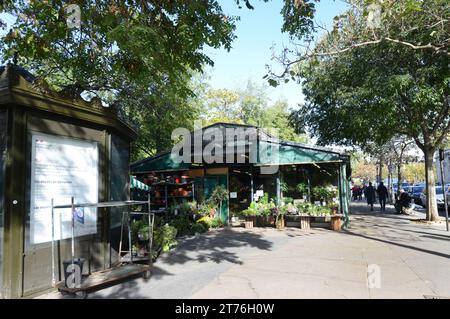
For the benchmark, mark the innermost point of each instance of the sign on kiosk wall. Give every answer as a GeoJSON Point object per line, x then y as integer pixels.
{"type": "Point", "coordinates": [61, 168]}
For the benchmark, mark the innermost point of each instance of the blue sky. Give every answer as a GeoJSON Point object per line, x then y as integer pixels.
{"type": "Point", "coordinates": [256, 32]}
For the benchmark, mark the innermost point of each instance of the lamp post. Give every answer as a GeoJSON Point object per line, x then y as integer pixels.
{"type": "Point", "coordinates": [444, 190]}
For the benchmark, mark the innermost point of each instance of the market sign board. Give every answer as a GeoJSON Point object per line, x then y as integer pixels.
{"type": "Point", "coordinates": [61, 168]}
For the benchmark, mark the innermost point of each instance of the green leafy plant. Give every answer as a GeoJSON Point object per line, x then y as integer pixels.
{"type": "Point", "coordinates": [302, 188]}
{"type": "Point", "coordinates": [210, 222]}
{"type": "Point", "coordinates": [185, 207]}
{"type": "Point", "coordinates": [319, 193]}
{"type": "Point", "coordinates": [206, 209]}
{"type": "Point", "coordinates": [325, 193]}
{"type": "Point", "coordinates": [304, 208]}
{"type": "Point", "coordinates": [139, 231]}
{"type": "Point", "coordinates": [198, 228]}
{"type": "Point", "coordinates": [252, 210]}
{"type": "Point", "coordinates": [219, 194]}
{"type": "Point", "coordinates": [319, 211]}
{"type": "Point", "coordinates": [264, 208]}
{"type": "Point", "coordinates": [284, 187]}
{"type": "Point", "coordinates": [264, 199]}
{"type": "Point", "coordinates": [216, 223]}
{"type": "Point", "coordinates": [182, 224]}
{"type": "Point", "coordinates": [164, 238]}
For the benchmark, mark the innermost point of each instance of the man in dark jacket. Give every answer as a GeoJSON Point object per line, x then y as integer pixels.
{"type": "Point", "coordinates": [369, 193]}
{"type": "Point", "coordinates": [382, 195]}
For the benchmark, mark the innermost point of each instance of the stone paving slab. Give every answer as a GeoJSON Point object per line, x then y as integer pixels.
{"type": "Point", "coordinates": [413, 259]}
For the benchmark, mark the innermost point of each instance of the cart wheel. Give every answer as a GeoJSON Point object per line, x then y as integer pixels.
{"type": "Point", "coordinates": [146, 274]}
{"type": "Point", "coordinates": [81, 294]}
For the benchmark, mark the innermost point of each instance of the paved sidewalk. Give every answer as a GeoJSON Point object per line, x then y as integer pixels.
{"type": "Point", "coordinates": [414, 261]}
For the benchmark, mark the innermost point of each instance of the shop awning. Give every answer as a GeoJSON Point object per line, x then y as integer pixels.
{"type": "Point", "coordinates": [134, 183]}
{"type": "Point", "coordinates": [287, 153]}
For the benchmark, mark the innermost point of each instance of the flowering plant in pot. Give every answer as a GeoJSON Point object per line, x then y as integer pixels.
{"type": "Point", "coordinates": [289, 209]}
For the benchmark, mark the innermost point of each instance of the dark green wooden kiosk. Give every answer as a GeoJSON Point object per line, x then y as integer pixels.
{"type": "Point", "coordinates": [28, 109]}
{"type": "Point", "coordinates": [243, 177]}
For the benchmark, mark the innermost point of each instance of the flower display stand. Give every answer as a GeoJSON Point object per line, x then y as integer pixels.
{"type": "Point", "coordinates": [248, 224]}
{"type": "Point", "coordinates": [305, 222]}
{"type": "Point", "coordinates": [250, 221]}
{"type": "Point", "coordinates": [336, 222]}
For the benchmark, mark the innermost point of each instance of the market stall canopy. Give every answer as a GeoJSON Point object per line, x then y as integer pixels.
{"type": "Point", "coordinates": [255, 138]}
{"type": "Point", "coordinates": [134, 183]}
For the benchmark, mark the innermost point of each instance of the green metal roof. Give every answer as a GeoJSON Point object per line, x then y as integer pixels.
{"type": "Point", "coordinates": [295, 154]}
{"type": "Point", "coordinates": [160, 162]}
{"type": "Point", "coordinates": [289, 153]}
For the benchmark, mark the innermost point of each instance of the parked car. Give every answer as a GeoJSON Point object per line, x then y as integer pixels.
{"type": "Point", "coordinates": [404, 186]}
{"type": "Point", "coordinates": [415, 194]}
{"type": "Point", "coordinates": [439, 197]}
{"type": "Point", "coordinates": [448, 197]}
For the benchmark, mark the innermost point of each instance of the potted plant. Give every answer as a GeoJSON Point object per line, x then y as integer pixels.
{"type": "Point", "coordinates": [292, 217]}
{"type": "Point", "coordinates": [284, 188]}
{"type": "Point", "coordinates": [320, 216]}
{"type": "Point", "coordinates": [206, 209]}
{"type": "Point", "coordinates": [140, 232]}
{"type": "Point", "coordinates": [249, 215]}
{"type": "Point", "coordinates": [218, 195]}
{"type": "Point", "coordinates": [302, 188]}
{"type": "Point", "coordinates": [264, 217]}
{"type": "Point", "coordinates": [320, 193]}
{"type": "Point", "coordinates": [333, 206]}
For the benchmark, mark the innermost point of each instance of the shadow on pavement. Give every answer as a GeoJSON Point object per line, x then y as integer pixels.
{"type": "Point", "coordinates": [427, 251]}
{"type": "Point", "coordinates": [218, 246]}
{"type": "Point", "coordinates": [215, 247]}
{"type": "Point", "coordinates": [389, 228]}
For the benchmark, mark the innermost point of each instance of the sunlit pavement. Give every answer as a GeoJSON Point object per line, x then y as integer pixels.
{"type": "Point", "coordinates": [396, 257]}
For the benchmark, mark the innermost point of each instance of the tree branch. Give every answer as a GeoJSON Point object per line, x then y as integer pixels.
{"type": "Point", "coordinates": [361, 44]}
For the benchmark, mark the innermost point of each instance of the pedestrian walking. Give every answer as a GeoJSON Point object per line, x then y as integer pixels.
{"type": "Point", "coordinates": [382, 195]}
{"type": "Point", "coordinates": [370, 195]}
{"type": "Point", "coordinates": [355, 191]}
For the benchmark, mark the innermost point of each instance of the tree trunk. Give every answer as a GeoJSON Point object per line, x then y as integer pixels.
{"type": "Point", "coordinates": [380, 171]}
{"type": "Point", "coordinates": [390, 183]}
{"type": "Point", "coordinates": [399, 178]}
{"type": "Point", "coordinates": [432, 212]}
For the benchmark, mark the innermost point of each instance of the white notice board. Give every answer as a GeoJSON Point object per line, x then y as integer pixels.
{"type": "Point", "coordinates": [61, 168]}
